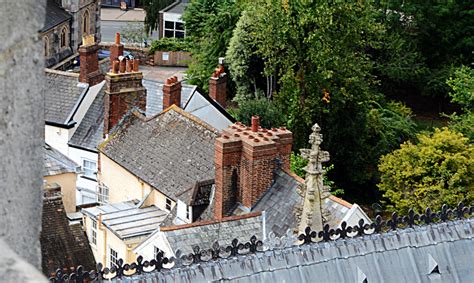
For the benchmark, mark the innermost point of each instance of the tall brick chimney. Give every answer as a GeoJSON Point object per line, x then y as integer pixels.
{"type": "Point", "coordinates": [124, 91]}
{"type": "Point", "coordinates": [171, 92]}
{"type": "Point", "coordinates": [218, 86]}
{"type": "Point", "coordinates": [245, 158]}
{"type": "Point", "coordinates": [89, 64]}
{"type": "Point", "coordinates": [116, 49]}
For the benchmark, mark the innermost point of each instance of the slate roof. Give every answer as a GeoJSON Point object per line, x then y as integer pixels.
{"type": "Point", "coordinates": [89, 134]}
{"type": "Point", "coordinates": [280, 200]}
{"type": "Point", "coordinates": [126, 220]}
{"type": "Point", "coordinates": [337, 209]}
{"type": "Point", "coordinates": [279, 204]}
{"type": "Point", "coordinates": [154, 98]}
{"type": "Point", "coordinates": [55, 15]}
{"type": "Point", "coordinates": [56, 163]}
{"type": "Point", "coordinates": [63, 93]}
{"type": "Point", "coordinates": [170, 151]}
{"type": "Point", "coordinates": [63, 245]}
{"type": "Point", "coordinates": [440, 252]}
{"type": "Point", "coordinates": [204, 235]}
{"type": "Point", "coordinates": [208, 110]}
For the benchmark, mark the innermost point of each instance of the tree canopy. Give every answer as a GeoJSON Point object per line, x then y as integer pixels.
{"type": "Point", "coordinates": [438, 169]}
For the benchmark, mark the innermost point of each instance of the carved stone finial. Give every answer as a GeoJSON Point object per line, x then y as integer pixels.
{"type": "Point", "coordinates": [313, 213]}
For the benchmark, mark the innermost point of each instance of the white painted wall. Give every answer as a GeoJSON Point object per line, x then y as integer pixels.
{"type": "Point", "coordinates": [353, 216]}
{"type": "Point", "coordinates": [88, 195]}
{"type": "Point", "coordinates": [147, 247]}
{"type": "Point", "coordinates": [181, 213]}
{"type": "Point", "coordinates": [57, 138]}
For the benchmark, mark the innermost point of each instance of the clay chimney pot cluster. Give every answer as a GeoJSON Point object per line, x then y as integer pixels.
{"type": "Point", "coordinates": [124, 65]}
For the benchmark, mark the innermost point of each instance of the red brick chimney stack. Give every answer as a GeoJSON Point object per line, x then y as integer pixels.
{"type": "Point", "coordinates": [244, 161]}
{"type": "Point", "coordinates": [172, 92]}
{"type": "Point", "coordinates": [89, 64]}
{"type": "Point", "coordinates": [218, 86]}
{"type": "Point", "coordinates": [116, 50]}
{"type": "Point", "coordinates": [124, 91]}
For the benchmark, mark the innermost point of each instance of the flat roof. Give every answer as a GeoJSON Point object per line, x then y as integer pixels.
{"type": "Point", "coordinates": [127, 220]}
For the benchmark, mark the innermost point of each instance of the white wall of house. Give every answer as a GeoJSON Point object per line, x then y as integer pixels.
{"type": "Point", "coordinates": [353, 216]}
{"type": "Point", "coordinates": [183, 213]}
{"type": "Point", "coordinates": [124, 186]}
{"type": "Point", "coordinates": [172, 17]}
{"type": "Point", "coordinates": [86, 184]}
{"type": "Point", "coordinates": [147, 247]}
{"type": "Point", "coordinates": [58, 138]}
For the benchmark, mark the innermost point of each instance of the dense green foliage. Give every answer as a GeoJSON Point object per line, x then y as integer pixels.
{"type": "Point", "coordinates": [209, 26]}
{"type": "Point", "coordinates": [462, 93]}
{"type": "Point", "coordinates": [169, 44]}
{"type": "Point", "coordinates": [439, 32]}
{"type": "Point", "coordinates": [339, 64]}
{"type": "Point", "coordinates": [437, 170]}
{"type": "Point", "coordinates": [270, 115]}
{"type": "Point", "coordinates": [319, 68]}
{"type": "Point", "coordinates": [152, 9]}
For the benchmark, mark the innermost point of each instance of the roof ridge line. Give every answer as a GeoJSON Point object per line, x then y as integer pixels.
{"type": "Point", "coordinates": [57, 72]}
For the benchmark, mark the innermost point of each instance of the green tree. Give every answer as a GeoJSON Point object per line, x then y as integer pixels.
{"type": "Point", "coordinates": [440, 31]}
{"type": "Point", "coordinates": [462, 93]}
{"type": "Point", "coordinates": [152, 9]}
{"type": "Point", "coordinates": [319, 56]}
{"type": "Point", "coordinates": [438, 169]}
{"type": "Point", "coordinates": [209, 26]}
{"type": "Point", "coordinates": [270, 115]}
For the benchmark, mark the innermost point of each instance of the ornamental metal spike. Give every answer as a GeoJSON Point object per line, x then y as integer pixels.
{"type": "Point", "coordinates": [444, 213]}
{"type": "Point", "coordinates": [253, 244]}
{"type": "Point", "coordinates": [394, 221]}
{"type": "Point", "coordinates": [343, 231]}
{"type": "Point", "coordinates": [215, 251]}
{"type": "Point", "coordinates": [234, 247]}
{"type": "Point", "coordinates": [326, 233]}
{"type": "Point", "coordinates": [411, 218]}
{"type": "Point", "coordinates": [428, 217]}
{"type": "Point", "coordinates": [378, 224]}
{"type": "Point", "coordinates": [361, 227]}
{"type": "Point", "coordinates": [307, 236]}
{"type": "Point", "coordinates": [460, 210]}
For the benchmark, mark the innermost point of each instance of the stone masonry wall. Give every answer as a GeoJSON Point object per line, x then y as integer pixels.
{"type": "Point", "coordinates": [21, 129]}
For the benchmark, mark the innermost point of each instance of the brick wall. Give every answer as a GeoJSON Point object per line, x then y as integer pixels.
{"type": "Point", "coordinates": [89, 68]}
{"type": "Point", "coordinates": [250, 154]}
{"type": "Point", "coordinates": [218, 89]}
{"type": "Point", "coordinates": [171, 93]}
{"type": "Point", "coordinates": [124, 91]}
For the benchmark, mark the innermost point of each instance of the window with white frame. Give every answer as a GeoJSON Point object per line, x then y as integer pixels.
{"type": "Point", "coordinates": [174, 29]}
{"type": "Point", "coordinates": [102, 194]}
{"type": "Point", "coordinates": [94, 232]}
{"type": "Point", "coordinates": [168, 204]}
{"type": "Point", "coordinates": [89, 167]}
{"type": "Point", "coordinates": [113, 257]}
{"type": "Point", "coordinates": [187, 213]}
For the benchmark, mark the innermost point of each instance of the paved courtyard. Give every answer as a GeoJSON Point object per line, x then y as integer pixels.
{"type": "Point", "coordinates": [162, 73]}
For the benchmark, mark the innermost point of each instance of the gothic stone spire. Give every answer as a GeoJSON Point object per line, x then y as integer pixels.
{"type": "Point", "coordinates": [315, 192]}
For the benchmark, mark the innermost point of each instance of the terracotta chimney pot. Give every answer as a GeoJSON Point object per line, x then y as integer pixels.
{"type": "Point", "coordinates": [255, 123]}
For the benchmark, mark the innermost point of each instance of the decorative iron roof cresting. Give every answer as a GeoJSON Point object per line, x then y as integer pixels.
{"type": "Point", "coordinates": [216, 252]}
